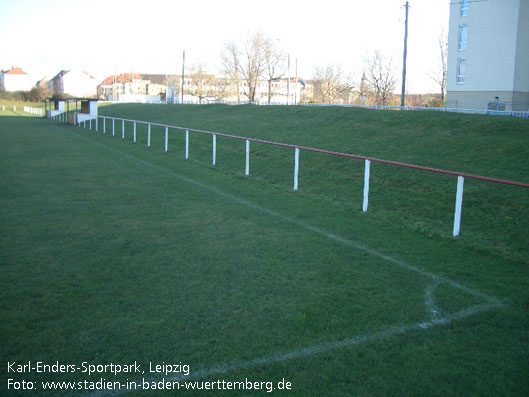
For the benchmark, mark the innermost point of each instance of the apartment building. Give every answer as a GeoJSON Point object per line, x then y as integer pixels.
{"type": "Point", "coordinates": [133, 87]}
{"type": "Point", "coordinates": [488, 55]}
{"type": "Point", "coordinates": [200, 88]}
{"type": "Point", "coordinates": [15, 79]}
{"type": "Point", "coordinates": [76, 83]}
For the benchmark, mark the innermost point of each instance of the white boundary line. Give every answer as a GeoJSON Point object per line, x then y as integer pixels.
{"type": "Point", "coordinates": [435, 311]}
{"type": "Point", "coordinates": [232, 366]}
{"type": "Point", "coordinates": [306, 226]}
{"type": "Point", "coordinates": [328, 346]}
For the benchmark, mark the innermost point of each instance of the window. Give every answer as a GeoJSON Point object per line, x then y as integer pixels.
{"type": "Point", "coordinates": [461, 71]}
{"type": "Point", "coordinates": [463, 37]}
{"type": "Point", "coordinates": [465, 6]}
{"type": "Point", "coordinates": [500, 107]}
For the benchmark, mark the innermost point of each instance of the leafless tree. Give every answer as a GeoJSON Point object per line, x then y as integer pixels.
{"type": "Point", "coordinates": [202, 83]}
{"type": "Point", "coordinates": [247, 61]}
{"type": "Point", "coordinates": [230, 58]}
{"type": "Point", "coordinates": [440, 75]}
{"type": "Point", "coordinates": [380, 74]}
{"type": "Point", "coordinates": [331, 83]}
{"type": "Point", "coordinates": [275, 64]}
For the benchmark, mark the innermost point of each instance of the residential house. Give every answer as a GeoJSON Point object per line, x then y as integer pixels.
{"type": "Point", "coordinates": [15, 79]}
{"type": "Point", "coordinates": [76, 83]}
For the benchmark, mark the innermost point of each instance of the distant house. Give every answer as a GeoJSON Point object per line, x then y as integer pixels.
{"type": "Point", "coordinates": [15, 80]}
{"type": "Point", "coordinates": [488, 55]}
{"type": "Point", "coordinates": [75, 83]}
{"type": "Point", "coordinates": [132, 87]}
{"type": "Point", "coordinates": [199, 88]}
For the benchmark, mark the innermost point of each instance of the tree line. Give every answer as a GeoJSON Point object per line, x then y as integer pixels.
{"type": "Point", "coordinates": [259, 58]}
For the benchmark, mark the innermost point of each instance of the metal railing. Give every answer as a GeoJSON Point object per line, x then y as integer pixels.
{"type": "Point", "coordinates": [33, 110]}
{"type": "Point", "coordinates": [297, 148]}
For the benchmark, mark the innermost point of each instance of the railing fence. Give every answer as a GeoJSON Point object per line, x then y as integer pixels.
{"type": "Point", "coordinates": [367, 160]}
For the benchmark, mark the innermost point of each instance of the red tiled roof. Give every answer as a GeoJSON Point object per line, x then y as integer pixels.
{"type": "Point", "coordinates": [15, 71]}
{"type": "Point", "coordinates": [122, 78]}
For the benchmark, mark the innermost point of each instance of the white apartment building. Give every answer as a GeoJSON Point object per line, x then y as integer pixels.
{"type": "Point", "coordinates": [75, 83]}
{"type": "Point", "coordinates": [16, 80]}
{"type": "Point", "coordinates": [132, 87]}
{"type": "Point", "coordinates": [488, 55]}
{"type": "Point", "coordinates": [201, 89]}
{"type": "Point", "coordinates": [281, 92]}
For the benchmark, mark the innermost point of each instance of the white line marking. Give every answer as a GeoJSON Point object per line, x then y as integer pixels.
{"type": "Point", "coordinates": [434, 310]}
{"type": "Point", "coordinates": [328, 346]}
{"type": "Point", "coordinates": [225, 368]}
{"type": "Point", "coordinates": [306, 226]}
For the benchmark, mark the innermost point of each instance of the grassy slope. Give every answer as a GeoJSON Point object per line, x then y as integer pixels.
{"type": "Point", "coordinates": [108, 259]}
{"type": "Point", "coordinates": [495, 218]}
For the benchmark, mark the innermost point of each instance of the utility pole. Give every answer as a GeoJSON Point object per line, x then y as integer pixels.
{"type": "Point", "coordinates": [296, 89]}
{"type": "Point", "coordinates": [288, 82]}
{"type": "Point", "coordinates": [183, 70]}
{"type": "Point", "coordinates": [403, 94]}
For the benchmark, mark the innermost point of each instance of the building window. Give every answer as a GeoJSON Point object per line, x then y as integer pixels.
{"type": "Point", "coordinates": [500, 107]}
{"type": "Point", "coordinates": [461, 71]}
{"type": "Point", "coordinates": [463, 37]}
{"type": "Point", "coordinates": [465, 6]}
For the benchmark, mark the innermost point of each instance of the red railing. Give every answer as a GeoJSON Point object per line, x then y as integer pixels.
{"type": "Point", "coordinates": [461, 175]}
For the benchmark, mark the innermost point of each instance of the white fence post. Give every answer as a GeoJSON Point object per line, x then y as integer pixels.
{"type": "Point", "coordinates": [187, 144]}
{"type": "Point", "coordinates": [123, 129]}
{"type": "Point", "coordinates": [247, 169]}
{"type": "Point", "coordinates": [104, 125]}
{"type": "Point", "coordinates": [296, 169]}
{"type": "Point", "coordinates": [97, 119]}
{"type": "Point", "coordinates": [113, 126]}
{"type": "Point", "coordinates": [214, 149]}
{"type": "Point", "coordinates": [166, 137]}
{"type": "Point", "coordinates": [367, 173]}
{"type": "Point", "coordinates": [134, 132]}
{"type": "Point", "coordinates": [149, 136]}
{"type": "Point", "coordinates": [459, 205]}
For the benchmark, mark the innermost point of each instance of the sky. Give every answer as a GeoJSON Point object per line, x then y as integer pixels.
{"type": "Point", "coordinates": [105, 37]}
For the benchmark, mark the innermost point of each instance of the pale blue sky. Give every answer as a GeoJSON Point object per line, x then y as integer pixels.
{"type": "Point", "coordinates": [114, 36]}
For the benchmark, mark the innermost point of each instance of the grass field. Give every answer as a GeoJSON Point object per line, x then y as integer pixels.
{"type": "Point", "coordinates": [113, 252]}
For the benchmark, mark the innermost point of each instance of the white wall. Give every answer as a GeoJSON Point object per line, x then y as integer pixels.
{"type": "Point", "coordinates": [521, 73]}
{"type": "Point", "coordinates": [139, 98]}
{"type": "Point", "coordinates": [491, 51]}
{"type": "Point", "coordinates": [18, 82]}
{"type": "Point", "coordinates": [79, 84]}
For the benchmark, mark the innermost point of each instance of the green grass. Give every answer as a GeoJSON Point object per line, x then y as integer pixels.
{"type": "Point", "coordinates": [115, 252]}
{"type": "Point", "coordinates": [19, 104]}
{"type": "Point", "coordinates": [495, 217]}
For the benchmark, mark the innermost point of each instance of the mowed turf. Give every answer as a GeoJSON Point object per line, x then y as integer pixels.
{"type": "Point", "coordinates": [495, 217]}
{"type": "Point", "coordinates": [114, 252]}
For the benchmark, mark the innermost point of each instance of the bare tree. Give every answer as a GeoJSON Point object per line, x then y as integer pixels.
{"type": "Point", "coordinates": [203, 83]}
{"type": "Point", "coordinates": [330, 84]}
{"type": "Point", "coordinates": [275, 64]}
{"type": "Point", "coordinates": [440, 75]}
{"type": "Point", "coordinates": [247, 60]}
{"type": "Point", "coordinates": [230, 58]}
{"type": "Point", "coordinates": [380, 73]}
{"type": "Point", "coordinates": [223, 88]}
